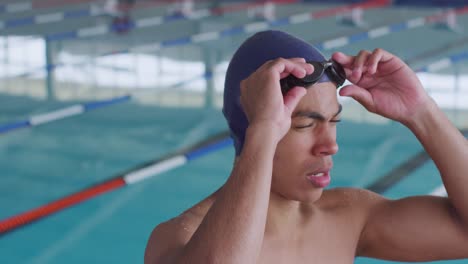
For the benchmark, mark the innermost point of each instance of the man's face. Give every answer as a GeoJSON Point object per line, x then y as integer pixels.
{"type": "Point", "coordinates": [303, 158]}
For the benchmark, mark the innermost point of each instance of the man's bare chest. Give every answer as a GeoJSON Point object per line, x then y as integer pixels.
{"type": "Point", "coordinates": [326, 243]}
{"type": "Point", "coordinates": [314, 254]}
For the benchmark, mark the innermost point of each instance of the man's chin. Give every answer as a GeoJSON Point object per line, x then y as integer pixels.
{"type": "Point", "coordinates": [309, 196]}
{"type": "Point", "coordinates": [312, 196]}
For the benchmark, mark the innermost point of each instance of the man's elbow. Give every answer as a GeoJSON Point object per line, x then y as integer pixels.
{"type": "Point", "coordinates": [157, 246]}
{"type": "Point", "coordinates": [459, 219]}
{"type": "Point", "coordinates": [150, 251]}
{"type": "Point", "coordinates": [165, 245]}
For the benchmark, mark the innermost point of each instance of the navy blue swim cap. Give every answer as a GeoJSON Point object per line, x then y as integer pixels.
{"type": "Point", "coordinates": [253, 53]}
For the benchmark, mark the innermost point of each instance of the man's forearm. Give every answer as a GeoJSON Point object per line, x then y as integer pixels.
{"type": "Point", "coordinates": [449, 151]}
{"type": "Point", "coordinates": [232, 230]}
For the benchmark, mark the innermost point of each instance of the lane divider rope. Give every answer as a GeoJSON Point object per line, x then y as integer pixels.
{"type": "Point", "coordinates": [135, 175]}
{"type": "Point", "coordinates": [61, 114]}
{"type": "Point", "coordinates": [216, 35]}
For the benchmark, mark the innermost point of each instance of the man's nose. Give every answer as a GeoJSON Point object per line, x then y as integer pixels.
{"type": "Point", "coordinates": [325, 144]}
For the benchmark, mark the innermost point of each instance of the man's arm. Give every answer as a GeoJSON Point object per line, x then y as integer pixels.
{"type": "Point", "coordinates": [449, 150]}
{"type": "Point", "coordinates": [426, 228]}
{"type": "Point", "coordinates": [416, 228]}
{"type": "Point", "coordinates": [232, 230]}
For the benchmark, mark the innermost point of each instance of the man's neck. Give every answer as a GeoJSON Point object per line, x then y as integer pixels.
{"type": "Point", "coordinates": [284, 215]}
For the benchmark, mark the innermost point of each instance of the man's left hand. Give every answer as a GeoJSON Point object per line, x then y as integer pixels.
{"type": "Point", "coordinates": [383, 84]}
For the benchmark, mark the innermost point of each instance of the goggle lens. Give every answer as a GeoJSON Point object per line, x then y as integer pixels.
{"type": "Point", "coordinates": [334, 71]}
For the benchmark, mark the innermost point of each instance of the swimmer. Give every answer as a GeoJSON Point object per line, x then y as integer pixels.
{"type": "Point", "coordinates": [274, 209]}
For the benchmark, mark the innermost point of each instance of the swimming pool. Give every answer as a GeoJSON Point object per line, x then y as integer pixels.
{"type": "Point", "coordinates": [48, 162]}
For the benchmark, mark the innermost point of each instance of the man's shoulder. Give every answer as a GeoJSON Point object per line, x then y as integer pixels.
{"type": "Point", "coordinates": [350, 191]}
{"type": "Point", "coordinates": [350, 207]}
{"type": "Point", "coordinates": [159, 243]}
{"type": "Point", "coordinates": [186, 222]}
{"type": "Point", "coordinates": [169, 237]}
{"type": "Point", "coordinates": [353, 198]}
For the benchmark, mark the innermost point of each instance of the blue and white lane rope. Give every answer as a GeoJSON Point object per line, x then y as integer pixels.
{"type": "Point", "coordinates": [378, 32]}
{"type": "Point", "coordinates": [53, 17]}
{"type": "Point", "coordinates": [141, 23]}
{"type": "Point", "coordinates": [248, 28]}
{"type": "Point", "coordinates": [339, 42]}
{"type": "Point", "coordinates": [132, 176]}
{"type": "Point", "coordinates": [238, 30]}
{"type": "Point", "coordinates": [16, 7]}
{"type": "Point", "coordinates": [80, 109]}
{"type": "Point", "coordinates": [264, 25]}
{"type": "Point", "coordinates": [217, 143]}
{"type": "Point", "coordinates": [445, 62]}
{"type": "Point", "coordinates": [48, 18]}
{"type": "Point", "coordinates": [25, 6]}
{"type": "Point", "coordinates": [91, 31]}
{"type": "Point", "coordinates": [61, 114]}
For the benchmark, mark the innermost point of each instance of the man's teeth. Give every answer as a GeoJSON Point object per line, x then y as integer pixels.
{"type": "Point", "coordinates": [318, 174]}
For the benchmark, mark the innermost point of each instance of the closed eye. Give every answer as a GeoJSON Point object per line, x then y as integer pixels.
{"type": "Point", "coordinates": [305, 126]}
{"type": "Point", "coordinates": [316, 117]}
{"type": "Point", "coordinates": [311, 124]}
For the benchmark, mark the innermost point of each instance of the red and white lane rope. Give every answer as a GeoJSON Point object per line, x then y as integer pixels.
{"type": "Point", "coordinates": [135, 175]}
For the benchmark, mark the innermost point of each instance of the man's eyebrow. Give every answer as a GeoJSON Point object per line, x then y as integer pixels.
{"type": "Point", "coordinates": [316, 115]}
{"type": "Point", "coordinates": [340, 108]}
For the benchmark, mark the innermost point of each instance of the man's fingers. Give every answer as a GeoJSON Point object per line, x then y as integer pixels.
{"type": "Point", "coordinates": [297, 59]}
{"type": "Point", "coordinates": [359, 63]}
{"type": "Point", "coordinates": [359, 94]}
{"type": "Point", "coordinates": [353, 65]}
{"type": "Point", "coordinates": [298, 68]}
{"type": "Point", "coordinates": [374, 59]}
{"type": "Point", "coordinates": [292, 97]}
{"type": "Point", "coordinates": [343, 59]}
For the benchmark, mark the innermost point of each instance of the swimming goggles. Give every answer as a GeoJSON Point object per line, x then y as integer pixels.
{"type": "Point", "coordinates": [333, 69]}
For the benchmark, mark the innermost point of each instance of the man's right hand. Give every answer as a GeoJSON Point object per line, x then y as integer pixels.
{"type": "Point", "coordinates": [261, 97]}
